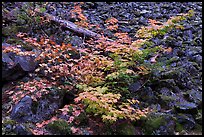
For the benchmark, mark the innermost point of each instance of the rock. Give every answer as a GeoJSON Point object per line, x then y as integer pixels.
{"type": "Point", "coordinates": [186, 107]}
{"type": "Point", "coordinates": [27, 63]}
{"type": "Point", "coordinates": [76, 41]}
{"type": "Point", "coordinates": [22, 130]}
{"type": "Point", "coordinates": [143, 21]}
{"type": "Point", "coordinates": [8, 128]}
{"type": "Point", "coordinates": [135, 86]}
{"type": "Point", "coordinates": [167, 129]}
{"type": "Point", "coordinates": [167, 97]}
{"type": "Point", "coordinates": [15, 66]}
{"type": "Point", "coordinates": [148, 95]}
{"type": "Point", "coordinates": [144, 11]}
{"type": "Point", "coordinates": [189, 34]}
{"type": "Point", "coordinates": [47, 105]}
{"type": "Point", "coordinates": [10, 70]}
{"type": "Point", "coordinates": [156, 107]}
{"type": "Point", "coordinates": [21, 112]}
{"type": "Point", "coordinates": [186, 120]}
{"type": "Point", "coordinates": [159, 124]}
{"type": "Point", "coordinates": [195, 96]}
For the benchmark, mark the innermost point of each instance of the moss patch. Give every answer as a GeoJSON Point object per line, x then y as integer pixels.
{"type": "Point", "coordinates": [9, 121]}
{"type": "Point", "coordinates": [126, 129]}
{"type": "Point", "coordinates": [179, 127]}
{"type": "Point", "coordinates": [60, 127]}
{"type": "Point", "coordinates": [153, 123]}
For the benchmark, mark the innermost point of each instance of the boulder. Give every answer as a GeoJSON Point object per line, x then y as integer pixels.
{"type": "Point", "coordinates": [135, 86]}
{"type": "Point", "coordinates": [15, 66]}
{"type": "Point", "coordinates": [28, 110]}
{"type": "Point", "coordinates": [22, 130]}
{"type": "Point", "coordinates": [186, 120]}
{"type": "Point", "coordinates": [22, 112]}
{"type": "Point", "coordinates": [46, 106]}
{"type": "Point", "coordinates": [159, 124]}
{"type": "Point", "coordinates": [186, 107]}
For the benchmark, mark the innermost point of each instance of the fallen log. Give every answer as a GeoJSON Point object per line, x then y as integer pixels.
{"type": "Point", "coordinates": [71, 26]}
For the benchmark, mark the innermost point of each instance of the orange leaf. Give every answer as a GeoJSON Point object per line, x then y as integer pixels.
{"type": "Point", "coordinates": [52, 42]}
{"type": "Point", "coordinates": [168, 50]}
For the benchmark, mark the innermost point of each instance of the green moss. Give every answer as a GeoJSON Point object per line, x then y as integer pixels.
{"type": "Point", "coordinates": [179, 127]}
{"type": "Point", "coordinates": [83, 118]}
{"type": "Point", "coordinates": [9, 121]}
{"type": "Point", "coordinates": [153, 123]}
{"type": "Point", "coordinates": [148, 43]}
{"type": "Point", "coordinates": [13, 29]}
{"type": "Point", "coordinates": [60, 127]}
{"type": "Point", "coordinates": [173, 59]}
{"type": "Point", "coordinates": [126, 129]}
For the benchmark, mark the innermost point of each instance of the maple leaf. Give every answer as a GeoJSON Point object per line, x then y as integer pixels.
{"type": "Point", "coordinates": [71, 118]}
{"type": "Point", "coordinates": [76, 113]}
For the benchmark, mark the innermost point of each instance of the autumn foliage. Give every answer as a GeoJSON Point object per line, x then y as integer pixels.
{"type": "Point", "coordinates": [97, 71]}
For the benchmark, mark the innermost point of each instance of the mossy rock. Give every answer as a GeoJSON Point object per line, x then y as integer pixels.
{"type": "Point", "coordinates": [60, 127]}
{"type": "Point", "coordinates": [9, 121]}
{"type": "Point", "coordinates": [7, 127]}
{"type": "Point", "coordinates": [13, 29]}
{"type": "Point", "coordinates": [179, 127]}
{"type": "Point", "coordinates": [126, 129]}
{"type": "Point", "coordinates": [152, 123]}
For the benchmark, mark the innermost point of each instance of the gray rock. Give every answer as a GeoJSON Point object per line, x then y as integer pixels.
{"type": "Point", "coordinates": [8, 128]}
{"type": "Point", "coordinates": [135, 86]}
{"type": "Point", "coordinates": [186, 120]}
{"type": "Point", "coordinates": [76, 41]}
{"type": "Point", "coordinates": [186, 107]}
{"type": "Point", "coordinates": [15, 66]}
{"type": "Point", "coordinates": [22, 130]}
{"type": "Point", "coordinates": [27, 63]}
{"type": "Point", "coordinates": [21, 112]}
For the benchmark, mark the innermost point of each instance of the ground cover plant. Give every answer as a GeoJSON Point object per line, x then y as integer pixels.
{"type": "Point", "coordinates": [94, 83]}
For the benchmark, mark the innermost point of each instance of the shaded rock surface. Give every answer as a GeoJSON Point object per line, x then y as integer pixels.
{"type": "Point", "coordinates": [32, 111]}
{"type": "Point", "coordinates": [15, 66]}
{"type": "Point", "coordinates": [22, 111]}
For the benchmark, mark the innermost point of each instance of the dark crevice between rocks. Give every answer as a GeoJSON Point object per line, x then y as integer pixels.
{"type": "Point", "coordinates": [68, 98]}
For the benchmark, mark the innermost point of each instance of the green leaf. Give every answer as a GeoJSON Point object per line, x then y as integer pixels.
{"type": "Point", "coordinates": [37, 19]}
{"type": "Point", "coordinates": [42, 10]}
